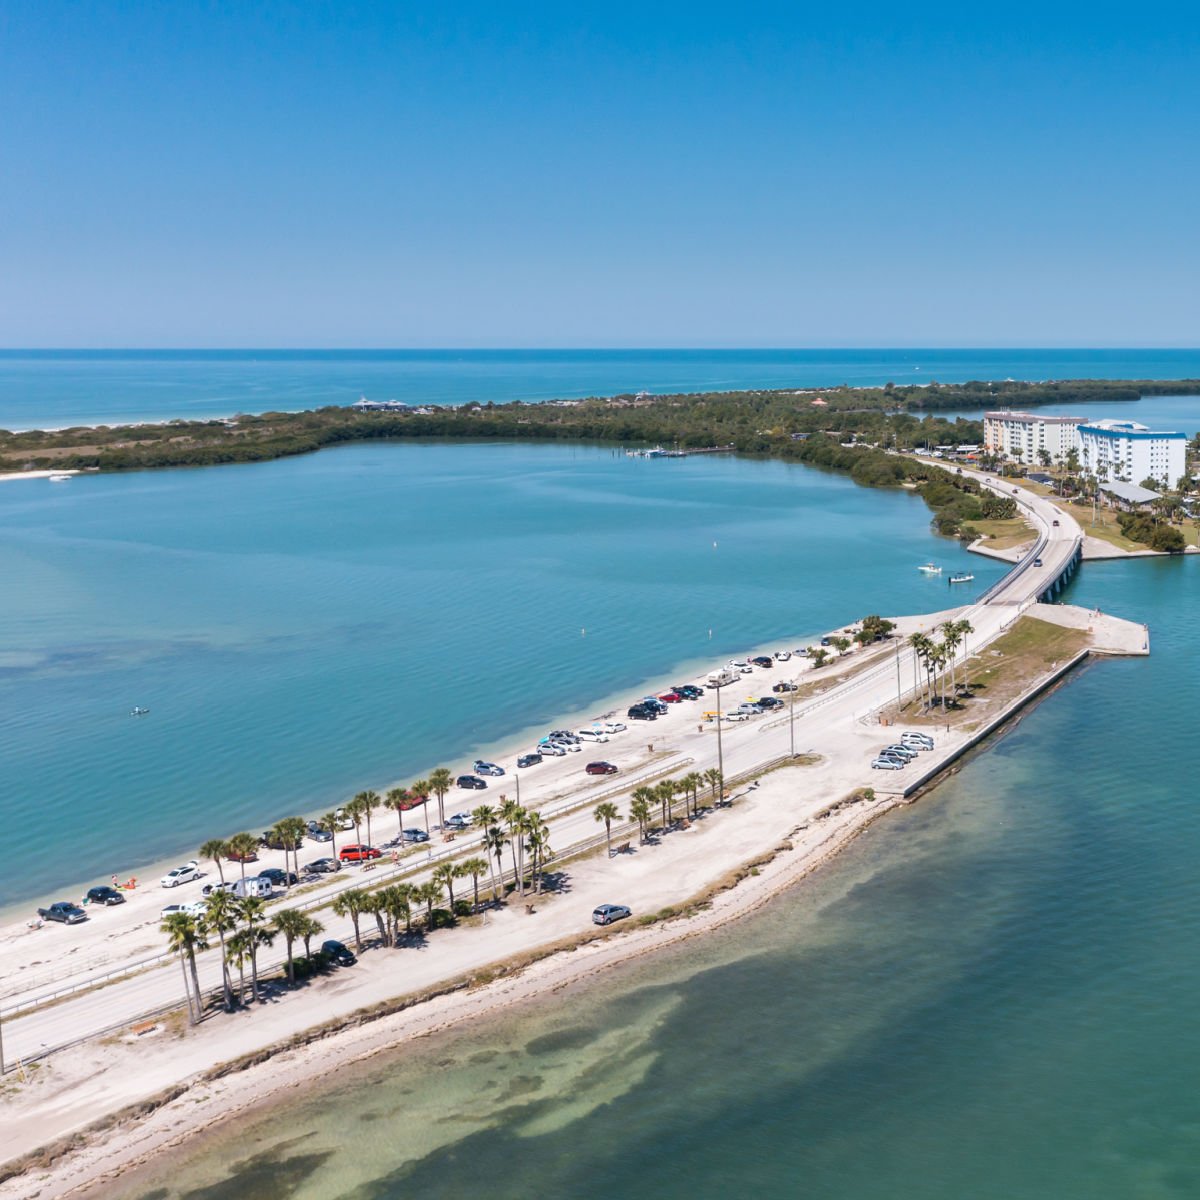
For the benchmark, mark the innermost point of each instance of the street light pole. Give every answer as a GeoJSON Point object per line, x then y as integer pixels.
{"type": "Point", "coordinates": [720, 751]}
{"type": "Point", "coordinates": [792, 719]}
{"type": "Point", "coordinates": [899, 690]}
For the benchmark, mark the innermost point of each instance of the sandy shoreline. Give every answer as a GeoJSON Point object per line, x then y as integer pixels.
{"type": "Point", "coordinates": [205, 1104]}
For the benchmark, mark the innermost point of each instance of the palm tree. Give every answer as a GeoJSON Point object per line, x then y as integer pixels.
{"type": "Point", "coordinates": [292, 923]}
{"type": "Point", "coordinates": [289, 832]}
{"type": "Point", "coordinates": [713, 778]}
{"type": "Point", "coordinates": [184, 937]}
{"type": "Point", "coordinates": [373, 903]}
{"type": "Point", "coordinates": [253, 910]}
{"type": "Point", "coordinates": [922, 646]}
{"type": "Point", "coordinates": [220, 917]}
{"type": "Point", "coordinates": [312, 928]}
{"type": "Point", "coordinates": [444, 874]}
{"type": "Point", "coordinates": [513, 815]}
{"type": "Point", "coordinates": [351, 904]}
{"type": "Point", "coordinates": [369, 802]}
{"type": "Point", "coordinates": [396, 900]}
{"type": "Point", "coordinates": [537, 834]}
{"type": "Point", "coordinates": [430, 893]}
{"type": "Point", "coordinates": [474, 867]}
{"type": "Point", "coordinates": [692, 781]}
{"type": "Point", "coordinates": [330, 823]}
{"type": "Point", "coordinates": [639, 810]}
{"type": "Point", "coordinates": [237, 952]}
{"type": "Point", "coordinates": [440, 781]}
{"type": "Point", "coordinates": [421, 790]}
{"type": "Point", "coordinates": [356, 810]}
{"type": "Point", "coordinates": [397, 798]}
{"type": "Point", "coordinates": [608, 813]}
{"type": "Point", "coordinates": [216, 849]}
{"type": "Point", "coordinates": [666, 798]}
{"type": "Point", "coordinates": [495, 841]}
{"type": "Point", "coordinates": [241, 846]}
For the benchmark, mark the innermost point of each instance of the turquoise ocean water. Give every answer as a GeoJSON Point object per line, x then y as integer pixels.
{"type": "Point", "coordinates": [306, 628]}
{"type": "Point", "coordinates": [50, 389]}
{"type": "Point", "coordinates": [991, 995]}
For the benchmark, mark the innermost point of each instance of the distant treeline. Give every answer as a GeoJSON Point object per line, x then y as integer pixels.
{"type": "Point", "coordinates": [807, 425]}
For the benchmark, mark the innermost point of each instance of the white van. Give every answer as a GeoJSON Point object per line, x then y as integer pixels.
{"type": "Point", "coordinates": [591, 735]}
{"type": "Point", "coordinates": [722, 679]}
{"type": "Point", "coordinates": [252, 885]}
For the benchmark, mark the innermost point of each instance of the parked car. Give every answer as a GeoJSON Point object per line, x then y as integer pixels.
{"type": "Point", "coordinates": [471, 782]}
{"type": "Point", "coordinates": [277, 877]}
{"type": "Point", "coordinates": [606, 914]}
{"type": "Point", "coordinates": [769, 702]}
{"type": "Point", "coordinates": [551, 750]}
{"type": "Point", "coordinates": [238, 857]}
{"type": "Point", "coordinates": [736, 715]}
{"type": "Point", "coordinates": [670, 698]}
{"type": "Point", "coordinates": [560, 744]}
{"type": "Point", "coordinates": [600, 768]}
{"type": "Point", "coordinates": [887, 764]}
{"type": "Point", "coordinates": [318, 834]}
{"type": "Point", "coordinates": [737, 664]}
{"type": "Point", "coordinates": [337, 953]}
{"type": "Point", "coordinates": [358, 853]}
{"type": "Point", "coordinates": [195, 909]}
{"type": "Point", "coordinates": [413, 836]}
{"type": "Point", "coordinates": [252, 885]}
{"type": "Point", "coordinates": [177, 875]}
{"type": "Point", "coordinates": [460, 821]}
{"type": "Point", "coordinates": [689, 691]}
{"type": "Point", "coordinates": [655, 704]}
{"type": "Point", "coordinates": [529, 760]}
{"type": "Point", "coordinates": [217, 886]}
{"type": "Point", "coordinates": [104, 895]}
{"type": "Point", "coordinates": [1054, 522]}
{"type": "Point", "coordinates": [913, 735]}
{"type": "Point", "coordinates": [763, 660]}
{"type": "Point", "coordinates": [750, 709]}
{"type": "Point", "coordinates": [63, 911]}
{"type": "Point", "coordinates": [592, 735]}
{"type": "Point", "coordinates": [610, 727]}
{"type": "Point", "coordinates": [639, 712]}
{"type": "Point", "coordinates": [782, 655]}
{"type": "Point", "coordinates": [563, 735]}
{"type": "Point", "coordinates": [913, 743]}
{"type": "Point", "coordinates": [343, 818]}
{"type": "Point", "coordinates": [487, 768]}
{"type": "Point", "coordinates": [784, 686]}
{"type": "Point", "coordinates": [825, 641]}
{"type": "Point", "coordinates": [322, 866]}
{"type": "Point", "coordinates": [1037, 562]}
{"type": "Point", "coordinates": [905, 752]}
{"type": "Point", "coordinates": [272, 841]}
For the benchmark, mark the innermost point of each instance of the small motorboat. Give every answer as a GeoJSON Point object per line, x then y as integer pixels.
{"type": "Point", "coordinates": [138, 711]}
{"type": "Point", "coordinates": [930, 568]}
{"type": "Point", "coordinates": [963, 578]}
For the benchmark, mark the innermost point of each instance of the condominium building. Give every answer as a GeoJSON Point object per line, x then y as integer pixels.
{"type": "Point", "coordinates": [1125, 450]}
{"type": "Point", "coordinates": [1022, 436]}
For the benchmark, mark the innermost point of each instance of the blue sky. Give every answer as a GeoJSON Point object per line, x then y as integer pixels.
{"type": "Point", "coordinates": [518, 174]}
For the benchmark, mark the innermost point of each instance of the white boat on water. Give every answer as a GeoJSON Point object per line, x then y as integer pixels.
{"type": "Point", "coordinates": [930, 568]}
{"type": "Point", "coordinates": [964, 578]}
{"type": "Point", "coordinates": [61, 477]}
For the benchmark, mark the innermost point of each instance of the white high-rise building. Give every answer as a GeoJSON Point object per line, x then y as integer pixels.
{"type": "Point", "coordinates": [1125, 450]}
{"type": "Point", "coordinates": [1021, 436]}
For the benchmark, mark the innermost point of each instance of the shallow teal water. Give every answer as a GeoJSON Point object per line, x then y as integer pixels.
{"type": "Point", "coordinates": [55, 388]}
{"type": "Point", "coordinates": [306, 628]}
{"type": "Point", "coordinates": [991, 995]}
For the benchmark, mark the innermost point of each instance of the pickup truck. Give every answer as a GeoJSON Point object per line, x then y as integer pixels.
{"type": "Point", "coordinates": [64, 911]}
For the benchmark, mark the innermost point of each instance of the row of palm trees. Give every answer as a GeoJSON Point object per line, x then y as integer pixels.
{"type": "Point", "coordinates": [289, 832]}
{"type": "Point", "coordinates": [242, 928]}
{"type": "Point", "coordinates": [935, 656]}
{"type": "Point", "coordinates": [661, 795]}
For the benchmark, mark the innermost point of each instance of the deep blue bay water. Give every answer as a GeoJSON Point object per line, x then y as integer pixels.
{"type": "Point", "coordinates": [56, 388]}
{"type": "Point", "coordinates": [306, 628]}
{"type": "Point", "coordinates": [990, 995]}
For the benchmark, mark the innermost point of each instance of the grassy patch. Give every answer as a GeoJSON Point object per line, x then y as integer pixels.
{"type": "Point", "coordinates": [996, 676]}
{"type": "Point", "coordinates": [1004, 535]}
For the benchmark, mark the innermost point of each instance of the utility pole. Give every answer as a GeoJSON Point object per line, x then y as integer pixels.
{"type": "Point", "coordinates": [720, 751]}
{"type": "Point", "coordinates": [792, 719]}
{"type": "Point", "coordinates": [898, 688]}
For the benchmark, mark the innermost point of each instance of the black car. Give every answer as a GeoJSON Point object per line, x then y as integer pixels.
{"type": "Point", "coordinates": [529, 760]}
{"type": "Point", "coordinates": [784, 686]}
{"type": "Point", "coordinates": [277, 877]}
{"type": "Point", "coordinates": [769, 702]}
{"type": "Point", "coordinates": [689, 691]}
{"type": "Point", "coordinates": [337, 952]}
{"type": "Point", "coordinates": [472, 782]}
{"type": "Point", "coordinates": [763, 661]}
{"type": "Point", "coordinates": [639, 712]}
{"type": "Point", "coordinates": [104, 895]}
{"type": "Point", "coordinates": [64, 911]}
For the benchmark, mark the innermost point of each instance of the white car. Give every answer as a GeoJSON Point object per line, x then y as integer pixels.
{"type": "Point", "coordinates": [195, 909]}
{"type": "Point", "coordinates": [735, 716]}
{"type": "Point", "coordinates": [609, 727]}
{"type": "Point", "coordinates": [782, 655]}
{"type": "Point", "coordinates": [550, 749]}
{"type": "Point", "coordinates": [593, 735]}
{"type": "Point", "coordinates": [887, 764]}
{"type": "Point", "coordinates": [185, 874]}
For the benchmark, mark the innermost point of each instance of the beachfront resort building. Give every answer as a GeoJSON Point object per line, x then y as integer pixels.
{"type": "Point", "coordinates": [1022, 437]}
{"type": "Point", "coordinates": [1129, 452]}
